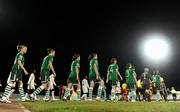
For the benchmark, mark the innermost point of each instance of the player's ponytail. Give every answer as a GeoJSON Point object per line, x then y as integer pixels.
{"type": "Point", "coordinates": [91, 56]}
{"type": "Point", "coordinates": [19, 47]}
{"type": "Point", "coordinates": [75, 56]}
{"type": "Point", "coordinates": [49, 50]}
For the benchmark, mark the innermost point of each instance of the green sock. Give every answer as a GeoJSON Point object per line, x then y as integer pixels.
{"type": "Point", "coordinates": [38, 90]}
{"type": "Point", "coordinates": [47, 94]}
{"type": "Point", "coordinates": [113, 93]}
{"type": "Point", "coordinates": [67, 92]}
{"type": "Point", "coordinates": [21, 91]}
{"type": "Point", "coordinates": [79, 93]}
{"type": "Point", "coordinates": [90, 92]}
{"type": "Point", "coordinates": [7, 90]}
{"type": "Point", "coordinates": [99, 92]}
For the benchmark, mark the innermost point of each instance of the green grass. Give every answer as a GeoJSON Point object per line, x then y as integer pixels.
{"type": "Point", "coordinates": [60, 106]}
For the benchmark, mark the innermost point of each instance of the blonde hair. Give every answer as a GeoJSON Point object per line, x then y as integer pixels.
{"type": "Point", "coordinates": [49, 50]}
{"type": "Point", "coordinates": [19, 47]}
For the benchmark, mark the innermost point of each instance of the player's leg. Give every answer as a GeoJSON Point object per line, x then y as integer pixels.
{"type": "Point", "coordinates": [104, 92]}
{"type": "Point", "coordinates": [52, 93]}
{"type": "Point", "coordinates": [12, 90]}
{"type": "Point", "coordinates": [67, 91]}
{"type": "Point", "coordinates": [158, 96]}
{"type": "Point", "coordinates": [6, 92]}
{"type": "Point", "coordinates": [27, 93]}
{"type": "Point", "coordinates": [21, 90]}
{"type": "Point", "coordinates": [83, 96]}
{"type": "Point", "coordinates": [44, 80]}
{"type": "Point", "coordinates": [113, 89]}
{"type": "Point", "coordinates": [118, 92]}
{"type": "Point", "coordinates": [133, 93]}
{"type": "Point", "coordinates": [43, 86]}
{"type": "Point", "coordinates": [113, 92]}
{"type": "Point", "coordinates": [79, 90]}
{"type": "Point", "coordinates": [38, 90]}
{"type": "Point", "coordinates": [47, 92]}
{"type": "Point", "coordinates": [91, 89]}
{"type": "Point", "coordinates": [99, 93]}
{"type": "Point", "coordinates": [9, 86]}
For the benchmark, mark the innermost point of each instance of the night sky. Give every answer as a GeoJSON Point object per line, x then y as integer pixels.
{"type": "Point", "coordinates": [108, 28]}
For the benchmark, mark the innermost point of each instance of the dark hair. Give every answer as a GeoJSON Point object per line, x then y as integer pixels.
{"type": "Point", "coordinates": [75, 56]}
{"type": "Point", "coordinates": [49, 50]}
{"type": "Point", "coordinates": [128, 65]}
{"type": "Point", "coordinates": [91, 56]}
{"type": "Point", "coordinates": [19, 47]}
{"type": "Point", "coordinates": [112, 60]}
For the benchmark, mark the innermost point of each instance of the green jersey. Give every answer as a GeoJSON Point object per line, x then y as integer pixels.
{"type": "Point", "coordinates": [20, 57]}
{"type": "Point", "coordinates": [92, 72]}
{"type": "Point", "coordinates": [45, 63]}
{"type": "Point", "coordinates": [74, 64]}
{"type": "Point", "coordinates": [157, 79]}
{"type": "Point", "coordinates": [112, 69]}
{"type": "Point", "coordinates": [130, 75]}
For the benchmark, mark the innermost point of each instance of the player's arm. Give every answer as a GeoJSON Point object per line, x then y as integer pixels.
{"type": "Point", "coordinates": [77, 72]}
{"type": "Point", "coordinates": [117, 71]}
{"type": "Point", "coordinates": [54, 82]}
{"type": "Point", "coordinates": [52, 68]}
{"type": "Point", "coordinates": [30, 78]}
{"type": "Point", "coordinates": [96, 71]}
{"type": "Point", "coordinates": [22, 67]}
{"type": "Point", "coordinates": [107, 78]}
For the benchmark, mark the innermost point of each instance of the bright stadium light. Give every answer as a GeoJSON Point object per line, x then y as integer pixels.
{"type": "Point", "coordinates": [155, 47]}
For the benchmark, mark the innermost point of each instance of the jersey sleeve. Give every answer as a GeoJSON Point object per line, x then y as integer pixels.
{"type": "Point", "coordinates": [126, 73]}
{"type": "Point", "coordinates": [20, 57]}
{"type": "Point", "coordinates": [117, 67]}
{"type": "Point", "coordinates": [78, 64]}
{"type": "Point", "coordinates": [95, 62]}
{"type": "Point", "coordinates": [50, 59]}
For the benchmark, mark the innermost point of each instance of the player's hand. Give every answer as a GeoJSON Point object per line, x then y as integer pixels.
{"type": "Point", "coordinates": [107, 80]}
{"type": "Point", "coordinates": [97, 77]}
{"type": "Point", "coordinates": [54, 74]}
{"type": "Point", "coordinates": [121, 78]}
{"type": "Point", "coordinates": [77, 78]}
{"type": "Point", "coordinates": [26, 73]}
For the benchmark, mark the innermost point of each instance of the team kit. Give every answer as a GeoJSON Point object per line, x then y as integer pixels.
{"type": "Point", "coordinates": [132, 89]}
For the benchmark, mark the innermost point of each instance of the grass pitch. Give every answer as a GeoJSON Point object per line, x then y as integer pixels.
{"type": "Point", "coordinates": [95, 106]}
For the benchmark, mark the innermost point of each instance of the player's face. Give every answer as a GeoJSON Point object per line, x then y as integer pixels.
{"type": "Point", "coordinates": [130, 66]}
{"type": "Point", "coordinates": [96, 57]}
{"type": "Point", "coordinates": [79, 58]}
{"type": "Point", "coordinates": [24, 50]}
{"type": "Point", "coordinates": [115, 61]}
{"type": "Point", "coordinates": [53, 53]}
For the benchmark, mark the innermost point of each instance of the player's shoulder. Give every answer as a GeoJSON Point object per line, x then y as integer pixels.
{"type": "Point", "coordinates": [19, 54]}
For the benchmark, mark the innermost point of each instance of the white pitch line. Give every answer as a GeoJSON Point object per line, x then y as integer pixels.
{"type": "Point", "coordinates": [24, 108]}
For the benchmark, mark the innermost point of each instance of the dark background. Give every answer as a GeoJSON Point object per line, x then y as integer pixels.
{"type": "Point", "coordinates": [108, 28]}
